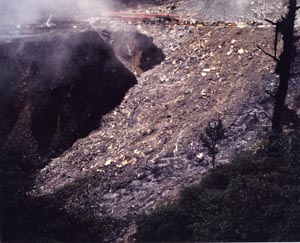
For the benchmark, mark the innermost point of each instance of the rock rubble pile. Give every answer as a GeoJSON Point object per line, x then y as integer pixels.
{"type": "Point", "coordinates": [149, 146]}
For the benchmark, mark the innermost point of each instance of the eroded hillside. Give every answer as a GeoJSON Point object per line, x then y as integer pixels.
{"type": "Point", "coordinates": [148, 147]}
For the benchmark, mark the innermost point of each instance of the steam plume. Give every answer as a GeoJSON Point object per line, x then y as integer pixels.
{"type": "Point", "coordinates": [29, 11]}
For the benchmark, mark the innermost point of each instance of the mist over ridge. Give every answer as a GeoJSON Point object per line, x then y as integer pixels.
{"type": "Point", "coordinates": [20, 12]}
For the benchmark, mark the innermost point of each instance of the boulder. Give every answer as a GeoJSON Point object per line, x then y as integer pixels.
{"type": "Point", "coordinates": [134, 49]}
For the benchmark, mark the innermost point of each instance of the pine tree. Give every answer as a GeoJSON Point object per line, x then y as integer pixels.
{"type": "Point", "coordinates": [213, 134]}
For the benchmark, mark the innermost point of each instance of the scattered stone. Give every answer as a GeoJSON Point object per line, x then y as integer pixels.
{"type": "Point", "coordinates": [241, 51]}
{"type": "Point", "coordinates": [229, 52]}
{"type": "Point", "coordinates": [151, 167]}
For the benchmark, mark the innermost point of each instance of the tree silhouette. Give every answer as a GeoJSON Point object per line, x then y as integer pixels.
{"type": "Point", "coordinates": [214, 133]}
{"type": "Point", "coordinates": [284, 27]}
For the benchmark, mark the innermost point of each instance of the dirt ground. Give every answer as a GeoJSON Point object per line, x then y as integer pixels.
{"type": "Point", "coordinates": [148, 147]}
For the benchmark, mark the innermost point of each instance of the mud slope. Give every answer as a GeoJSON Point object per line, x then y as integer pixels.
{"type": "Point", "coordinates": [147, 147]}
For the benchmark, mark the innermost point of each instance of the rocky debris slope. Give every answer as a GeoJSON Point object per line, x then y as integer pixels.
{"type": "Point", "coordinates": [219, 10]}
{"type": "Point", "coordinates": [147, 147]}
{"type": "Point", "coordinates": [55, 87]}
{"type": "Point", "coordinates": [233, 10]}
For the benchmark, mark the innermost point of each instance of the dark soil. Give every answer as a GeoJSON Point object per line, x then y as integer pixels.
{"type": "Point", "coordinates": [56, 87]}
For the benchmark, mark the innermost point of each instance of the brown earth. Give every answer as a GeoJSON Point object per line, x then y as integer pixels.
{"type": "Point", "coordinates": [147, 148]}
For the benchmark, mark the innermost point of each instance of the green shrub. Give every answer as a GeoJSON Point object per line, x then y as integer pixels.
{"type": "Point", "coordinates": [213, 134]}
{"type": "Point", "coordinates": [255, 198]}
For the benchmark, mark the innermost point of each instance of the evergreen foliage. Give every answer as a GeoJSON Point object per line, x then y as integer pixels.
{"type": "Point", "coordinates": [214, 133]}
{"type": "Point", "coordinates": [255, 198]}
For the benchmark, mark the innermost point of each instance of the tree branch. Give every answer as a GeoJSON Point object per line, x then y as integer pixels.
{"type": "Point", "coordinates": [268, 54]}
{"type": "Point", "coordinates": [271, 22]}
{"type": "Point", "coordinates": [295, 74]}
{"type": "Point", "coordinates": [270, 94]}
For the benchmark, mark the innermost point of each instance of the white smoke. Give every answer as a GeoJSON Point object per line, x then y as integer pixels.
{"type": "Point", "coordinates": [19, 12]}
{"type": "Point", "coordinates": [242, 4]}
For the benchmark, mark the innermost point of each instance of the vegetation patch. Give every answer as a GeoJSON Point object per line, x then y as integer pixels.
{"type": "Point", "coordinates": [255, 198]}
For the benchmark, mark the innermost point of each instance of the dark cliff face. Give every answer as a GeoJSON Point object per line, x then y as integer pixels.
{"type": "Point", "coordinates": [55, 87]}
{"type": "Point", "coordinates": [137, 49]}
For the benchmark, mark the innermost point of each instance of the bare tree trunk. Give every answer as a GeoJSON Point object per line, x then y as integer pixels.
{"type": "Point", "coordinates": [213, 161]}
{"type": "Point", "coordinates": [213, 157]}
{"type": "Point", "coordinates": [286, 27]}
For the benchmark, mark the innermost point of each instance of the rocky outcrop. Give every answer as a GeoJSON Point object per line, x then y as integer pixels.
{"type": "Point", "coordinates": [135, 50]}
{"type": "Point", "coordinates": [55, 87]}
